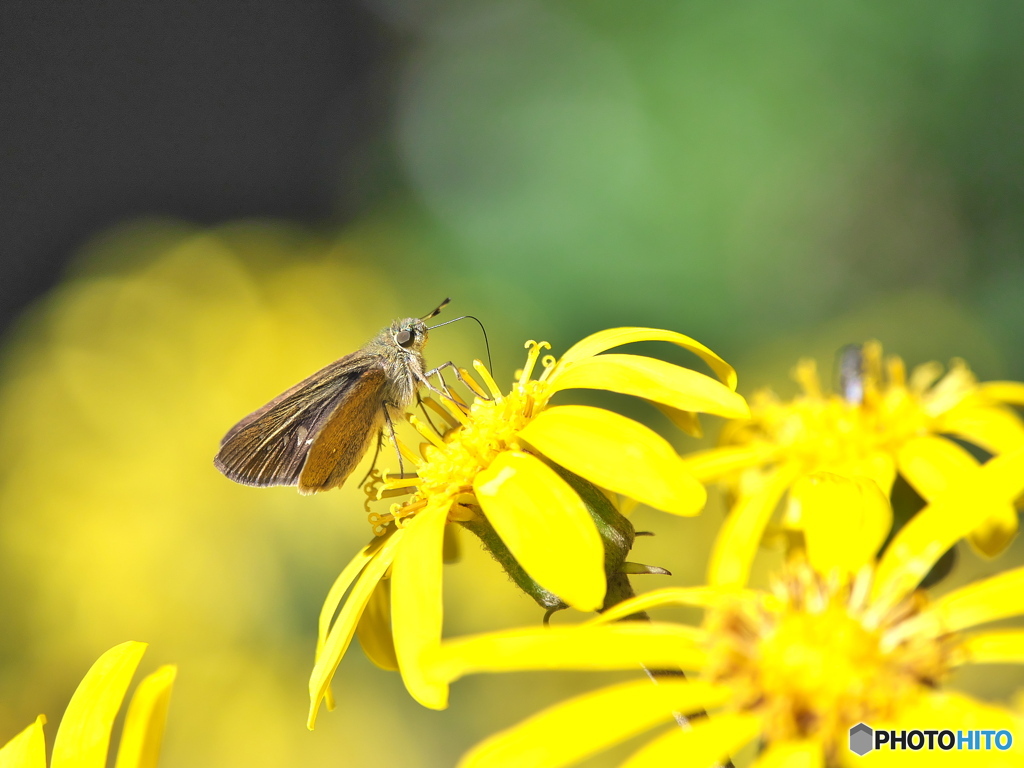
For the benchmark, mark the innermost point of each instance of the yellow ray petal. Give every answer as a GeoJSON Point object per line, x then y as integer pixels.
{"type": "Point", "coordinates": [950, 517]}
{"type": "Point", "coordinates": [340, 587]}
{"type": "Point", "coordinates": [416, 603]}
{"type": "Point", "coordinates": [374, 628]}
{"type": "Point", "coordinates": [791, 754]}
{"type": "Point", "coordinates": [702, 597]}
{"type": "Point", "coordinates": [933, 464]}
{"type": "Point", "coordinates": [1004, 391]}
{"type": "Point", "coordinates": [546, 527]}
{"type": "Point", "coordinates": [574, 729]}
{"type": "Point", "coordinates": [624, 645]}
{"type": "Point", "coordinates": [27, 749]}
{"type": "Point", "coordinates": [341, 632]}
{"type": "Point", "coordinates": [84, 733]}
{"type": "Point", "coordinates": [993, 598]}
{"type": "Point", "coordinates": [616, 453]}
{"type": "Point", "coordinates": [616, 337]}
{"type": "Point", "coordinates": [704, 746]}
{"type": "Point", "coordinates": [995, 429]}
{"type": "Point", "coordinates": [143, 730]}
{"type": "Point", "coordinates": [845, 520]}
{"type": "Point", "coordinates": [736, 544]}
{"type": "Point", "coordinates": [651, 379]}
{"type": "Point", "coordinates": [715, 462]}
{"type": "Point", "coordinates": [992, 537]}
{"type": "Point", "coordinates": [687, 421]}
{"type": "Point", "coordinates": [1000, 646]}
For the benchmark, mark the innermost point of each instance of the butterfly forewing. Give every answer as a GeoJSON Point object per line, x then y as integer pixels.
{"type": "Point", "coordinates": [270, 446]}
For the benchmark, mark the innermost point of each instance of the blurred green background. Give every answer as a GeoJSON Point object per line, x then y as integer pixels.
{"type": "Point", "coordinates": [774, 180]}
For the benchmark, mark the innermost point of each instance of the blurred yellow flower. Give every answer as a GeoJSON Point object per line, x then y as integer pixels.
{"type": "Point", "coordinates": [84, 733]}
{"type": "Point", "coordinates": [883, 422]}
{"type": "Point", "coordinates": [840, 638]}
{"type": "Point", "coordinates": [487, 465]}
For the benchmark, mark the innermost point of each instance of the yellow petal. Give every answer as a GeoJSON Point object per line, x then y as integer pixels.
{"type": "Point", "coordinates": [546, 527]}
{"type": "Point", "coordinates": [791, 754]}
{"type": "Point", "coordinates": [704, 746]}
{"type": "Point", "coordinates": [84, 733]}
{"type": "Point", "coordinates": [616, 337]}
{"type": "Point", "coordinates": [1011, 392]}
{"type": "Point", "coordinates": [733, 552]}
{"type": "Point", "coordinates": [995, 429]}
{"type": "Point", "coordinates": [616, 453]}
{"type": "Point", "coordinates": [950, 517]}
{"type": "Point", "coordinates": [687, 421]}
{"type": "Point", "coordinates": [341, 632]}
{"type": "Point", "coordinates": [993, 536]}
{"type": "Point", "coordinates": [715, 462]}
{"type": "Point", "coordinates": [27, 749]}
{"type": "Point", "coordinates": [997, 597]}
{"type": "Point", "coordinates": [374, 628]}
{"type": "Point", "coordinates": [933, 464]}
{"type": "Point", "coordinates": [623, 645]}
{"type": "Point", "coordinates": [416, 603]}
{"type": "Point", "coordinates": [701, 597]}
{"type": "Point", "coordinates": [340, 587]}
{"type": "Point", "coordinates": [143, 730]}
{"type": "Point", "coordinates": [1000, 646]}
{"type": "Point", "coordinates": [845, 520]}
{"type": "Point", "coordinates": [579, 727]}
{"type": "Point", "coordinates": [651, 379]}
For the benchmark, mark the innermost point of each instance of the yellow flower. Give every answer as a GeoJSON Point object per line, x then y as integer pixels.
{"type": "Point", "coordinates": [84, 733]}
{"type": "Point", "coordinates": [883, 422]}
{"type": "Point", "coordinates": [840, 638]}
{"type": "Point", "coordinates": [488, 466]}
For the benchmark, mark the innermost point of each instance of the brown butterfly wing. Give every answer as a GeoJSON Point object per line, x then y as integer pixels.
{"type": "Point", "coordinates": [271, 445]}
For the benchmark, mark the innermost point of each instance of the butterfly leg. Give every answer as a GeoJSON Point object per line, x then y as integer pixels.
{"type": "Point", "coordinates": [475, 389]}
{"type": "Point", "coordinates": [394, 439]}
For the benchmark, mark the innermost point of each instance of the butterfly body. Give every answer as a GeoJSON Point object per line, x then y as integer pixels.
{"type": "Point", "coordinates": [314, 434]}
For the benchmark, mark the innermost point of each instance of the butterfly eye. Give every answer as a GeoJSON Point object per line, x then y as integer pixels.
{"type": "Point", "coordinates": [404, 338]}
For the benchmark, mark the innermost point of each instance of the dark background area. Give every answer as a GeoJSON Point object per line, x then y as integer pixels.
{"type": "Point", "coordinates": [204, 111]}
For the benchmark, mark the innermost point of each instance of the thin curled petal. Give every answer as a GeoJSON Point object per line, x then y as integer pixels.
{"type": "Point", "coordinates": [845, 520]}
{"type": "Point", "coordinates": [616, 453]}
{"type": "Point", "coordinates": [579, 727]}
{"type": "Point", "coordinates": [340, 587]}
{"type": "Point", "coordinates": [652, 379]}
{"type": "Point", "coordinates": [374, 628]}
{"type": "Point", "coordinates": [143, 730]}
{"type": "Point", "coordinates": [1000, 646]}
{"type": "Point", "coordinates": [344, 628]}
{"type": "Point", "coordinates": [704, 746]}
{"type": "Point", "coordinates": [416, 604]}
{"type": "Point", "coordinates": [27, 749]}
{"type": "Point", "coordinates": [624, 645]}
{"type": "Point", "coordinates": [616, 337]}
{"type": "Point", "coordinates": [736, 544]}
{"type": "Point", "coordinates": [84, 733]}
{"type": "Point", "coordinates": [546, 527]}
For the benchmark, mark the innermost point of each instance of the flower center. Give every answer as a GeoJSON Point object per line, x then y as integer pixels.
{"type": "Point", "coordinates": [450, 461]}
{"type": "Point", "coordinates": [829, 432]}
{"type": "Point", "coordinates": [814, 659]}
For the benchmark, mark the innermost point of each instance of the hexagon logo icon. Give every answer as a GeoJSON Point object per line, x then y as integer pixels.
{"type": "Point", "coordinates": [862, 739]}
